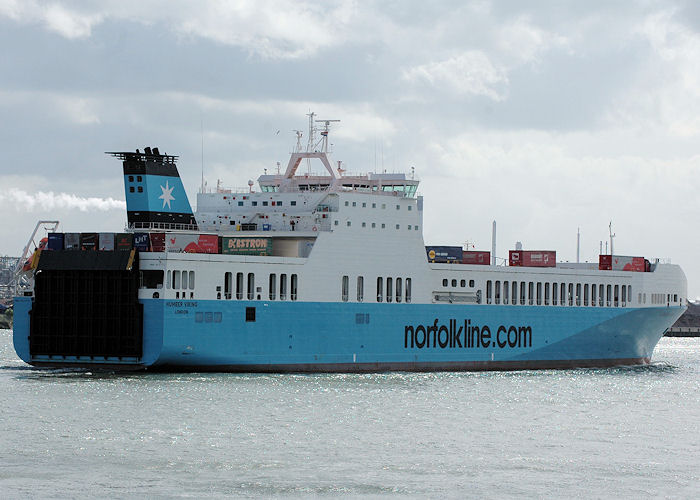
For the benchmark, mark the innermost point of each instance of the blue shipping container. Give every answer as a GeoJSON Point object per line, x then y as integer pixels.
{"type": "Point", "coordinates": [142, 242]}
{"type": "Point", "coordinates": [55, 241]}
{"type": "Point", "coordinates": [444, 254]}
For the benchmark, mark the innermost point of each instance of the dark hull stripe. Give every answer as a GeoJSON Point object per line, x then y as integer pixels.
{"type": "Point", "coordinates": [447, 366]}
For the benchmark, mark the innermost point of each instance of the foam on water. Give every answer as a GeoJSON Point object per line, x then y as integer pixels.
{"type": "Point", "coordinates": [627, 432]}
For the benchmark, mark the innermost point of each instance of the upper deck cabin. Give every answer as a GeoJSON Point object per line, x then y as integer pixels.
{"type": "Point", "coordinates": [293, 201]}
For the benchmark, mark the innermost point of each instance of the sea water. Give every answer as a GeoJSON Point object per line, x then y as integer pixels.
{"type": "Point", "coordinates": [624, 432]}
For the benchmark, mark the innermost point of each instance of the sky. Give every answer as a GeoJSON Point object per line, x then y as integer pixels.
{"type": "Point", "coordinates": [550, 117]}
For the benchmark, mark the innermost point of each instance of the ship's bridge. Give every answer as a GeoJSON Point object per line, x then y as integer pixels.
{"type": "Point", "coordinates": [395, 184]}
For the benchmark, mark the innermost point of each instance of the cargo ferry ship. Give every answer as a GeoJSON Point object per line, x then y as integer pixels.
{"type": "Point", "coordinates": [302, 275]}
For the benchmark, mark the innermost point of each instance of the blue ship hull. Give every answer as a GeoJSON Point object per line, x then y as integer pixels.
{"type": "Point", "coordinates": [351, 337]}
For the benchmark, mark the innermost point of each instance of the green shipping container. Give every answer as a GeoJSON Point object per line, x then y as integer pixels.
{"type": "Point", "coordinates": [246, 245]}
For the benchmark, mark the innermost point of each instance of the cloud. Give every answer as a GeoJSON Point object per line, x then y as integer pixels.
{"type": "Point", "coordinates": [276, 29]}
{"type": "Point", "coordinates": [48, 200]}
{"type": "Point", "coordinates": [68, 23]}
{"type": "Point", "coordinates": [471, 72]}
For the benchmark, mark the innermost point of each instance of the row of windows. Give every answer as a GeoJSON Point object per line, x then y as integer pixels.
{"type": "Point", "coordinates": [389, 290]}
{"type": "Point", "coordinates": [374, 225]}
{"type": "Point", "coordinates": [537, 293]}
{"type": "Point", "coordinates": [265, 203]}
{"type": "Point", "coordinates": [374, 205]}
{"type": "Point", "coordinates": [462, 283]}
{"type": "Point", "coordinates": [659, 298]}
{"type": "Point", "coordinates": [253, 293]}
{"type": "Point", "coordinates": [398, 292]}
{"type": "Point", "coordinates": [179, 280]}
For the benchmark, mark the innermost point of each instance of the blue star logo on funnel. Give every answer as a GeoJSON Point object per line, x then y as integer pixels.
{"type": "Point", "coordinates": [167, 195]}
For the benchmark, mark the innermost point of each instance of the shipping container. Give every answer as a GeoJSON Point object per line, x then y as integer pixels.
{"type": "Point", "coordinates": [142, 242]}
{"type": "Point", "coordinates": [622, 263]}
{"type": "Point", "coordinates": [71, 241]}
{"type": "Point", "coordinates": [55, 241]}
{"type": "Point", "coordinates": [476, 257]}
{"type": "Point", "coordinates": [444, 254]}
{"type": "Point", "coordinates": [192, 243]}
{"type": "Point", "coordinates": [246, 246]}
{"type": "Point", "coordinates": [532, 258]}
{"type": "Point", "coordinates": [157, 242]}
{"type": "Point", "coordinates": [89, 241]}
{"type": "Point", "coordinates": [106, 241]}
{"type": "Point", "coordinates": [125, 241]}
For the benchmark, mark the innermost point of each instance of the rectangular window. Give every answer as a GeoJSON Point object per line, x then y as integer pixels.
{"type": "Point", "coordinates": [239, 286]}
{"type": "Point", "coordinates": [601, 293]}
{"type": "Point", "coordinates": [283, 287]}
{"type": "Point", "coordinates": [251, 286]}
{"type": "Point", "coordinates": [617, 295]}
{"type": "Point", "coordinates": [191, 280]}
{"type": "Point", "coordinates": [539, 293]}
{"type": "Point", "coordinates": [593, 294]}
{"type": "Point", "coordinates": [228, 285]}
{"type": "Point", "coordinates": [462, 283]}
{"type": "Point", "coordinates": [360, 287]}
{"type": "Point", "coordinates": [344, 288]}
{"type": "Point", "coordinates": [523, 289]}
{"type": "Point", "coordinates": [608, 295]}
{"type": "Point", "coordinates": [408, 290]}
{"type": "Point", "coordinates": [250, 314]}
{"type": "Point", "coordinates": [389, 289]}
{"type": "Point", "coordinates": [176, 280]}
{"type": "Point", "coordinates": [497, 293]}
{"type": "Point", "coordinates": [444, 282]}
{"type": "Point", "coordinates": [380, 288]}
{"type": "Point", "coordinates": [555, 294]}
{"type": "Point", "coordinates": [240, 203]}
{"type": "Point", "coordinates": [184, 280]}
{"type": "Point", "coordinates": [571, 294]}
{"type": "Point", "coordinates": [399, 292]}
{"type": "Point", "coordinates": [293, 287]}
{"type": "Point", "coordinates": [531, 293]}
{"type": "Point", "coordinates": [272, 286]}
{"type": "Point", "coordinates": [488, 291]}
{"type": "Point", "coordinates": [546, 294]}
{"type": "Point", "coordinates": [254, 203]}
{"type": "Point", "coordinates": [505, 292]}
{"type": "Point", "coordinates": [562, 294]}
{"type": "Point", "coordinates": [264, 203]}
{"type": "Point", "coordinates": [168, 277]}
{"type": "Point", "coordinates": [578, 294]}
{"type": "Point", "coordinates": [624, 295]}
{"type": "Point", "coordinates": [585, 295]}
{"type": "Point", "coordinates": [514, 295]}
{"type": "Point", "coordinates": [293, 203]}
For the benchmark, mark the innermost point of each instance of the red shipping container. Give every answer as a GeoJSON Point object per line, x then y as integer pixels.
{"type": "Point", "coordinates": [622, 263]}
{"type": "Point", "coordinates": [476, 257]}
{"type": "Point", "coordinates": [157, 242]}
{"type": "Point", "coordinates": [192, 243]}
{"type": "Point", "coordinates": [532, 258]}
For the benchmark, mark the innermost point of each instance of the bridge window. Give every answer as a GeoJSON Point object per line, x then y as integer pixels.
{"type": "Point", "coordinates": [530, 293]}
{"type": "Point", "coordinates": [398, 290]}
{"type": "Point", "coordinates": [380, 288]}
{"type": "Point", "coordinates": [191, 280]}
{"type": "Point", "coordinates": [176, 280]}
{"type": "Point", "coordinates": [546, 294]}
{"type": "Point", "coordinates": [408, 289]}
{"type": "Point", "coordinates": [389, 289]}
{"type": "Point", "coordinates": [578, 294]}
{"type": "Point", "coordinates": [555, 294]}
{"type": "Point", "coordinates": [488, 292]}
{"type": "Point", "coordinates": [360, 288]}
{"type": "Point", "coordinates": [506, 290]}
{"type": "Point", "coordinates": [539, 293]}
